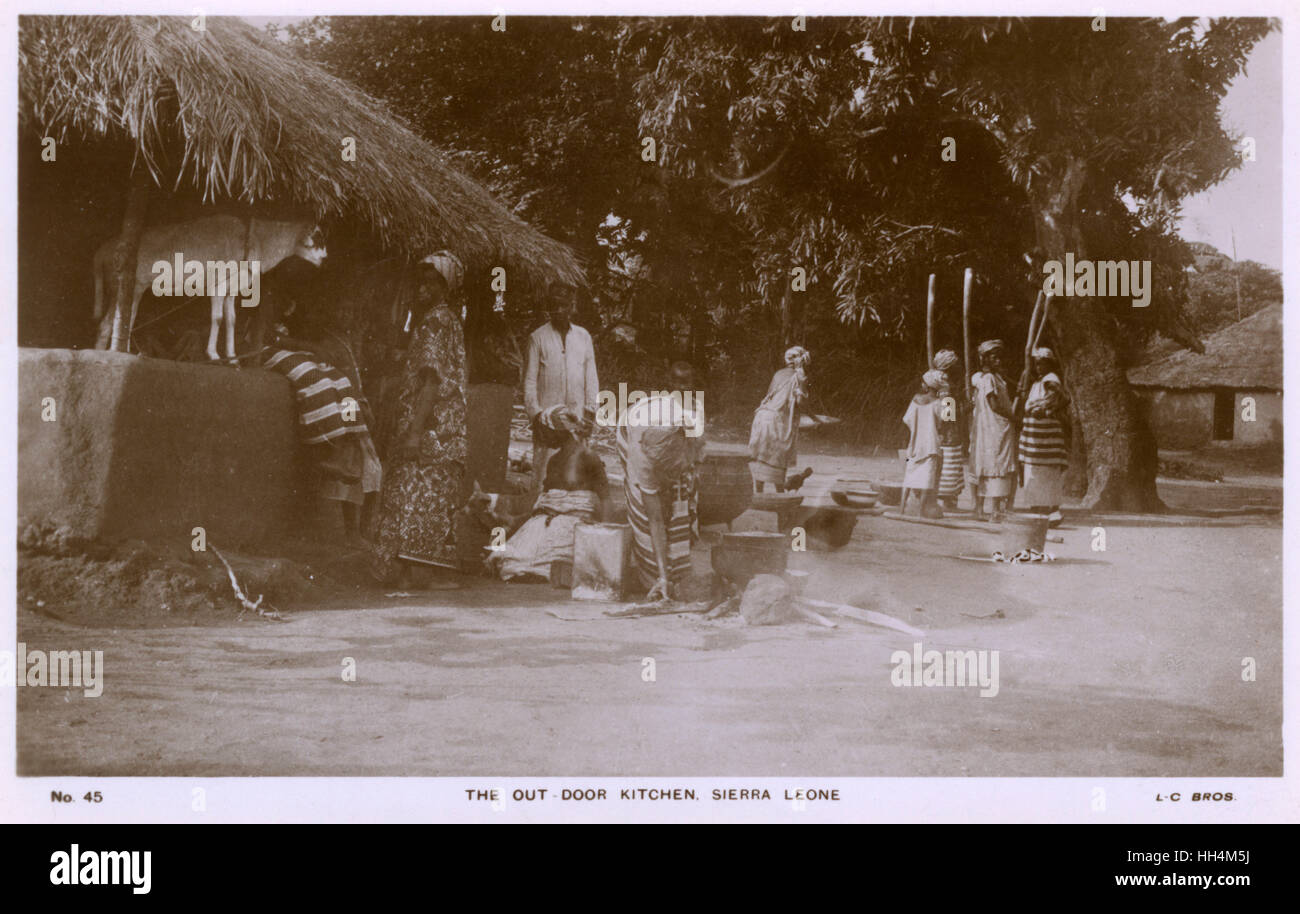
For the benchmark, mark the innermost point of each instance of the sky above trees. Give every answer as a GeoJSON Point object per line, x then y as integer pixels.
{"type": "Point", "coordinates": [1248, 201]}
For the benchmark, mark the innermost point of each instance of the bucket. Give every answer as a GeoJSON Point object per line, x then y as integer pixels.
{"type": "Point", "coordinates": [1024, 531]}
{"type": "Point", "coordinates": [602, 562]}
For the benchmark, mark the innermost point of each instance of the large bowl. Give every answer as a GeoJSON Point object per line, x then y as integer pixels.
{"type": "Point", "coordinates": [854, 493]}
{"type": "Point", "coordinates": [851, 499]}
{"type": "Point", "coordinates": [852, 484]}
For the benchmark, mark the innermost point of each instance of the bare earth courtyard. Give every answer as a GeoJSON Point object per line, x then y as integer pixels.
{"type": "Point", "coordinates": [1126, 662]}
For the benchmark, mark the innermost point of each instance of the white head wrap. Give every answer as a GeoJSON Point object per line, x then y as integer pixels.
{"type": "Point", "coordinates": [449, 265]}
{"type": "Point", "coordinates": [797, 357]}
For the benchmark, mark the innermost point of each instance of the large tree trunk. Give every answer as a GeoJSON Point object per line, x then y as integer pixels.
{"type": "Point", "coordinates": [1117, 447]}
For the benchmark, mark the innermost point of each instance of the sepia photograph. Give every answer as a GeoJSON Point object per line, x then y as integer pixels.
{"type": "Point", "coordinates": [730, 405]}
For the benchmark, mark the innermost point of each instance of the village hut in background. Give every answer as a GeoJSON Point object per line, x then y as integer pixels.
{"type": "Point", "coordinates": [1229, 394]}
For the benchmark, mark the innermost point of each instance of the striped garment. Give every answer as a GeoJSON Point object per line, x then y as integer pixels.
{"type": "Point", "coordinates": [321, 390]}
{"type": "Point", "coordinates": [1042, 443]}
{"type": "Point", "coordinates": [952, 479]}
{"type": "Point", "coordinates": [679, 515]}
{"type": "Point", "coordinates": [1042, 438]}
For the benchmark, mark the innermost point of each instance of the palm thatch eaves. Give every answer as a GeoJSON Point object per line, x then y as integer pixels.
{"type": "Point", "coordinates": [234, 114]}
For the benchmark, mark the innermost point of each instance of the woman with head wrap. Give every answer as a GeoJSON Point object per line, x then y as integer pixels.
{"type": "Point", "coordinates": [992, 436]}
{"type": "Point", "coordinates": [952, 478]}
{"type": "Point", "coordinates": [1045, 436]}
{"type": "Point", "coordinates": [924, 457]}
{"type": "Point", "coordinates": [774, 434]}
{"type": "Point", "coordinates": [426, 441]}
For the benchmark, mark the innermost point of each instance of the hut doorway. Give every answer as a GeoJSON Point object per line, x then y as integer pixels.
{"type": "Point", "coordinates": [1224, 413]}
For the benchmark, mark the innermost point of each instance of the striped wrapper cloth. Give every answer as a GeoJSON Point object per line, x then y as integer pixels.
{"type": "Point", "coordinates": [1042, 443]}
{"type": "Point", "coordinates": [681, 524]}
{"type": "Point", "coordinates": [952, 479]}
{"type": "Point", "coordinates": [320, 389]}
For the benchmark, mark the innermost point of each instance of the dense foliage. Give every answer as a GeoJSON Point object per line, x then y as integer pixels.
{"type": "Point", "coordinates": [864, 154]}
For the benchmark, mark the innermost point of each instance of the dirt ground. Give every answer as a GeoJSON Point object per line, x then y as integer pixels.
{"type": "Point", "coordinates": [1126, 662]}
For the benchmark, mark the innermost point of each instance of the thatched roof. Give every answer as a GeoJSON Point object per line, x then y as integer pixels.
{"type": "Point", "coordinates": [237, 115]}
{"type": "Point", "coordinates": [1247, 354]}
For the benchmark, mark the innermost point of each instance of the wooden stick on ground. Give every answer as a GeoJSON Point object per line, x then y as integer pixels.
{"type": "Point", "coordinates": [865, 615]}
{"type": "Point", "coordinates": [811, 616]}
{"type": "Point", "coordinates": [244, 602]}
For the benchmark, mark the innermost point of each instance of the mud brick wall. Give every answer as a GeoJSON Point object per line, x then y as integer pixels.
{"type": "Point", "coordinates": [150, 448]}
{"type": "Point", "coordinates": [1180, 419]}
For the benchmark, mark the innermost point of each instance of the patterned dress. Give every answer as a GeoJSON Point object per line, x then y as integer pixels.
{"type": "Point", "coordinates": [774, 434]}
{"type": "Point", "coordinates": [420, 495]}
{"type": "Point", "coordinates": [660, 463]}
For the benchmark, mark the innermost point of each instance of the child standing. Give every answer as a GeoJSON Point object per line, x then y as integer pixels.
{"type": "Point", "coordinates": [924, 454]}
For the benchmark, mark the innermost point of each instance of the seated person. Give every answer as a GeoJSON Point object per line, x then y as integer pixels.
{"type": "Point", "coordinates": [575, 491]}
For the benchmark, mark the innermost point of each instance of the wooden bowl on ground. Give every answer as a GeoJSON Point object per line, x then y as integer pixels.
{"type": "Point", "coordinates": [847, 499]}
{"type": "Point", "coordinates": [854, 493]}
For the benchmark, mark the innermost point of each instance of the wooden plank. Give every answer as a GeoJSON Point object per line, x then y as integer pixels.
{"type": "Point", "coordinates": [869, 616]}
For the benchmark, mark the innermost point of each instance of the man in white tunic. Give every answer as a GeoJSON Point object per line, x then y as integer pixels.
{"type": "Point", "coordinates": [561, 372]}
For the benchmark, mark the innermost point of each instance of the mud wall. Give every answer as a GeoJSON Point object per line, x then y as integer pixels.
{"type": "Point", "coordinates": [113, 445]}
{"type": "Point", "coordinates": [1180, 419]}
{"type": "Point", "coordinates": [1266, 426]}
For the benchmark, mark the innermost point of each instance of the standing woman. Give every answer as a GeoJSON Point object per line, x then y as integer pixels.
{"type": "Point", "coordinates": [426, 452]}
{"type": "Point", "coordinates": [924, 457]}
{"type": "Point", "coordinates": [992, 436]}
{"type": "Point", "coordinates": [775, 431]}
{"type": "Point", "coordinates": [952, 478]}
{"type": "Point", "coordinates": [1045, 436]}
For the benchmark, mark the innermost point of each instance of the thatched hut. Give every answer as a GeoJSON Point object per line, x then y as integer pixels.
{"type": "Point", "coordinates": [225, 115]}
{"type": "Point", "coordinates": [1229, 394]}
{"type": "Point", "coordinates": [133, 120]}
